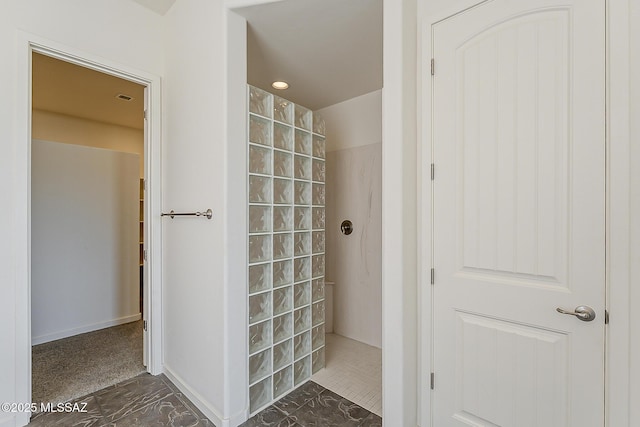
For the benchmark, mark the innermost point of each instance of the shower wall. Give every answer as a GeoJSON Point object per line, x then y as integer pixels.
{"type": "Point", "coordinates": [354, 191]}
{"type": "Point", "coordinates": [286, 154]}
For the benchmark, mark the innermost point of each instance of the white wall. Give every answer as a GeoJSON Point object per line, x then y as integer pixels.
{"type": "Point", "coordinates": [354, 122]}
{"type": "Point", "coordinates": [194, 180]}
{"type": "Point", "coordinates": [84, 233]}
{"type": "Point", "coordinates": [353, 191]}
{"type": "Point", "coordinates": [106, 29]}
{"type": "Point", "coordinates": [50, 126]}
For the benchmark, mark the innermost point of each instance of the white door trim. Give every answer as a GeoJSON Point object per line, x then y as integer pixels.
{"type": "Point", "coordinates": [21, 193]}
{"type": "Point", "coordinates": [621, 373]}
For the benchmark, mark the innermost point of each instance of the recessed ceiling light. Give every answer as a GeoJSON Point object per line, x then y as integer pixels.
{"type": "Point", "coordinates": [124, 97]}
{"type": "Point", "coordinates": [280, 85]}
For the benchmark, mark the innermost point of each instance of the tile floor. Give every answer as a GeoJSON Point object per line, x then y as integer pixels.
{"type": "Point", "coordinates": [154, 401]}
{"type": "Point", "coordinates": [312, 405]}
{"type": "Point", "coordinates": [144, 400]}
{"type": "Point", "coordinates": [354, 371]}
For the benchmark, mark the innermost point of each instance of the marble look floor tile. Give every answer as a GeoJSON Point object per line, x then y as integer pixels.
{"type": "Point", "coordinates": [328, 409]}
{"type": "Point", "coordinates": [294, 400]}
{"type": "Point", "coordinates": [166, 412]}
{"type": "Point", "coordinates": [131, 396]}
{"type": "Point", "coordinates": [372, 421]}
{"type": "Point", "coordinates": [92, 416]}
{"type": "Point", "coordinates": [270, 416]}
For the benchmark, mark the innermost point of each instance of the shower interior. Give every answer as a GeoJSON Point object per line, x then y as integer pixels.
{"type": "Point", "coordinates": [269, 380]}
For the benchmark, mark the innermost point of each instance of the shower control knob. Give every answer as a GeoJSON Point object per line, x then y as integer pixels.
{"type": "Point", "coordinates": [346, 227]}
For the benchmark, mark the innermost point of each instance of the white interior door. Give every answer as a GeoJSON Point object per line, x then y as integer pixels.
{"type": "Point", "coordinates": [519, 214]}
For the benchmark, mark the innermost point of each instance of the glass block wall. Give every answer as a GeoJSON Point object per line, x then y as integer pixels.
{"type": "Point", "coordinates": [286, 246]}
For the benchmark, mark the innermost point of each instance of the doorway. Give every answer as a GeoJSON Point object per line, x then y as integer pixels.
{"type": "Point", "coordinates": [87, 170]}
{"type": "Point", "coordinates": [153, 312]}
{"type": "Point", "coordinates": [519, 214]}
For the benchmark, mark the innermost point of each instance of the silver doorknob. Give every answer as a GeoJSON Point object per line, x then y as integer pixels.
{"type": "Point", "coordinates": [583, 312]}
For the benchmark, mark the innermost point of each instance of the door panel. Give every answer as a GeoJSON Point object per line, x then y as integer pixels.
{"type": "Point", "coordinates": [519, 202]}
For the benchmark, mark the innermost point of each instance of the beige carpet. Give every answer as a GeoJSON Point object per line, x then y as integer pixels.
{"type": "Point", "coordinates": [65, 369]}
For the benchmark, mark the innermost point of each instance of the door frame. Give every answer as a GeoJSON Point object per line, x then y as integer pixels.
{"type": "Point", "coordinates": [619, 375]}
{"type": "Point", "coordinates": [27, 44]}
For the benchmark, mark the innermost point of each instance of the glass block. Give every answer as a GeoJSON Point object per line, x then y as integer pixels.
{"type": "Point", "coordinates": [259, 394]}
{"type": "Point", "coordinates": [318, 146]}
{"type": "Point", "coordinates": [317, 290]}
{"type": "Point", "coordinates": [301, 244]}
{"type": "Point", "coordinates": [260, 101]}
{"type": "Point", "coordinates": [259, 219]}
{"type": "Point", "coordinates": [259, 160]}
{"type": "Point", "coordinates": [303, 117]}
{"type": "Point", "coordinates": [317, 337]}
{"type": "Point", "coordinates": [282, 246]}
{"type": "Point", "coordinates": [301, 320]}
{"type": "Point", "coordinates": [259, 189]}
{"type": "Point", "coordinates": [282, 354]}
{"type": "Point", "coordinates": [302, 193]}
{"type": "Point", "coordinates": [282, 191]}
{"type": "Point", "coordinates": [317, 196]}
{"type": "Point", "coordinates": [318, 359]}
{"type": "Point", "coordinates": [282, 137]}
{"type": "Point", "coordinates": [318, 124]}
{"type": "Point", "coordinates": [259, 336]}
{"type": "Point", "coordinates": [318, 172]}
{"type": "Point", "coordinates": [301, 294]}
{"type": "Point", "coordinates": [259, 277]}
{"type": "Point", "coordinates": [303, 142]}
{"type": "Point", "coordinates": [259, 365]}
{"type": "Point", "coordinates": [259, 248]}
{"type": "Point", "coordinates": [318, 313]}
{"type": "Point", "coordinates": [302, 370]}
{"type": "Point", "coordinates": [282, 218]}
{"type": "Point", "coordinates": [259, 307]}
{"type": "Point", "coordinates": [302, 218]}
{"type": "Point", "coordinates": [282, 273]}
{"type": "Point", "coordinates": [301, 345]}
{"type": "Point", "coordinates": [282, 381]}
{"type": "Point", "coordinates": [259, 130]}
{"type": "Point", "coordinates": [282, 110]}
{"type": "Point", "coordinates": [317, 220]}
{"type": "Point", "coordinates": [302, 169]}
{"type": "Point", "coordinates": [282, 300]}
{"type": "Point", "coordinates": [282, 163]}
{"type": "Point", "coordinates": [317, 265]}
{"type": "Point", "coordinates": [301, 269]}
{"type": "Point", "coordinates": [317, 242]}
{"type": "Point", "coordinates": [282, 327]}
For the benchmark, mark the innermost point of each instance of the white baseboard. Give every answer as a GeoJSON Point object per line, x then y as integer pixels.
{"type": "Point", "coordinates": [85, 328]}
{"type": "Point", "coordinates": [212, 413]}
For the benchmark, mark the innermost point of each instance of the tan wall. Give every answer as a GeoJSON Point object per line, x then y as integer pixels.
{"type": "Point", "coordinates": [48, 126]}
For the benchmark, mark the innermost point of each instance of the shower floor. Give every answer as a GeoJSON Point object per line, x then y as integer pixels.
{"type": "Point", "coordinates": [353, 370]}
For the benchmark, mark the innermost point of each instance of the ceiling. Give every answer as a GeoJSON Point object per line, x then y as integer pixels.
{"type": "Point", "coordinates": [327, 50]}
{"type": "Point", "coordinates": [65, 88]}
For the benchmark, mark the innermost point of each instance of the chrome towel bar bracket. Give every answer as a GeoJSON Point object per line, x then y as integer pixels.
{"type": "Point", "coordinates": [208, 213]}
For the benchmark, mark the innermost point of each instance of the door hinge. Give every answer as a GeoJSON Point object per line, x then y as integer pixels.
{"type": "Point", "coordinates": [433, 171]}
{"type": "Point", "coordinates": [144, 254]}
{"type": "Point", "coordinates": [144, 325]}
{"type": "Point", "coordinates": [606, 317]}
{"type": "Point", "coordinates": [144, 184]}
{"type": "Point", "coordinates": [433, 380]}
{"type": "Point", "coordinates": [433, 67]}
{"type": "Point", "coordinates": [433, 276]}
{"type": "Point", "coordinates": [145, 114]}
